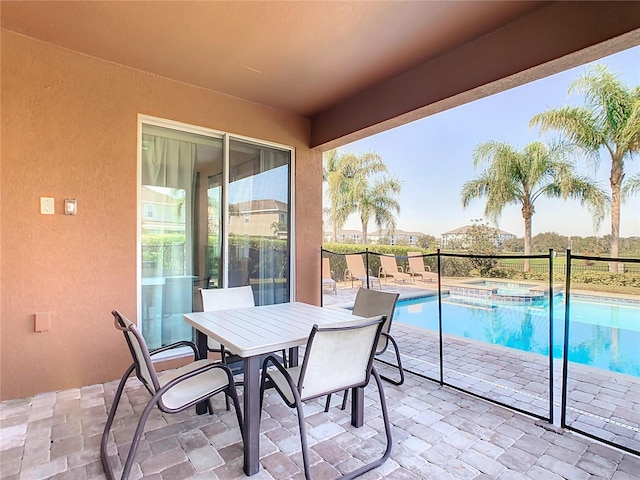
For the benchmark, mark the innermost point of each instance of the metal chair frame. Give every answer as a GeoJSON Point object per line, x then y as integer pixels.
{"type": "Point", "coordinates": [156, 391]}
{"type": "Point", "coordinates": [296, 390]}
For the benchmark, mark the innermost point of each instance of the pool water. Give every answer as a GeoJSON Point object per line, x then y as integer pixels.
{"type": "Point", "coordinates": [603, 334]}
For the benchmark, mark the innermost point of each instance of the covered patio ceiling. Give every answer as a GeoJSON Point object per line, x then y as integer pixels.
{"type": "Point", "coordinates": [352, 68]}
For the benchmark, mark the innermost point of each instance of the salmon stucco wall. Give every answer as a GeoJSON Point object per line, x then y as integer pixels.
{"type": "Point", "coordinates": [69, 129]}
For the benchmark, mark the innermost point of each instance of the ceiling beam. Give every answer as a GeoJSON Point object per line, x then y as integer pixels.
{"type": "Point", "coordinates": [549, 40]}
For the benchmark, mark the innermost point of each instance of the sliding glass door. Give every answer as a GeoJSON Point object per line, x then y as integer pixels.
{"type": "Point", "coordinates": [214, 214]}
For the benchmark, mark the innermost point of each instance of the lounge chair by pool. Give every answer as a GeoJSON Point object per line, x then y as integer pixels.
{"type": "Point", "coordinates": [417, 268]}
{"type": "Point", "coordinates": [389, 268]}
{"type": "Point", "coordinates": [356, 271]}
{"type": "Point", "coordinates": [327, 276]}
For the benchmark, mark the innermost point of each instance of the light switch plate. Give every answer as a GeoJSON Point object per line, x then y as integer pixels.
{"type": "Point", "coordinates": [46, 205]}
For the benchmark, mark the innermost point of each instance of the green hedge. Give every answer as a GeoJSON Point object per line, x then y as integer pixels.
{"type": "Point", "coordinates": [464, 267]}
{"type": "Point", "coordinates": [336, 252]}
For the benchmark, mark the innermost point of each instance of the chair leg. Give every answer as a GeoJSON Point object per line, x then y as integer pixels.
{"type": "Point", "coordinates": [236, 404]}
{"type": "Point", "coordinates": [387, 430]}
{"type": "Point", "coordinates": [326, 405]}
{"type": "Point", "coordinates": [104, 458]}
{"type": "Point", "coordinates": [398, 364]}
{"type": "Point", "coordinates": [303, 440]}
{"type": "Point", "coordinates": [138, 433]}
{"type": "Point", "coordinates": [344, 400]}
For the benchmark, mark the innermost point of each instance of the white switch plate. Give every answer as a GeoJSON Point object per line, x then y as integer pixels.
{"type": "Point", "coordinates": [46, 205]}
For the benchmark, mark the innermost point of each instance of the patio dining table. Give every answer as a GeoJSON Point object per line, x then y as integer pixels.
{"type": "Point", "coordinates": [255, 331]}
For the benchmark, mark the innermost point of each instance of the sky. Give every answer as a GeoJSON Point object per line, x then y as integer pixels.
{"type": "Point", "coordinates": [433, 159]}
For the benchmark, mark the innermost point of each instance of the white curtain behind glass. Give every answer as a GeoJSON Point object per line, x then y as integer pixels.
{"type": "Point", "coordinates": [170, 163]}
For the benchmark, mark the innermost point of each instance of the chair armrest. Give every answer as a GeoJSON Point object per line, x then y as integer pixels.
{"type": "Point", "coordinates": [400, 268]}
{"type": "Point", "coordinates": [194, 373]}
{"type": "Point", "coordinates": [380, 272]}
{"type": "Point", "coordinates": [274, 361]}
{"type": "Point", "coordinates": [427, 268]}
{"type": "Point", "coordinates": [183, 343]}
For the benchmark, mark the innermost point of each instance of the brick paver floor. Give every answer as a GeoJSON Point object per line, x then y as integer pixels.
{"type": "Point", "coordinates": [438, 433]}
{"type": "Point", "coordinates": [599, 402]}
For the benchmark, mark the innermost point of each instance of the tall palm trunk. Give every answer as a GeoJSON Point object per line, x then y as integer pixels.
{"type": "Point", "coordinates": [364, 231]}
{"type": "Point", "coordinates": [527, 214]}
{"type": "Point", "coordinates": [616, 181]}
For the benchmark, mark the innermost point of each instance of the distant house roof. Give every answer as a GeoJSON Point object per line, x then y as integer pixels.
{"type": "Point", "coordinates": [268, 205]}
{"type": "Point", "coordinates": [465, 229]}
{"type": "Point", "coordinates": [396, 232]}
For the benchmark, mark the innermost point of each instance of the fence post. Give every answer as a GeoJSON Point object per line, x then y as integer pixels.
{"type": "Point", "coordinates": [551, 273]}
{"type": "Point", "coordinates": [440, 316]}
{"type": "Point", "coordinates": [366, 260]}
{"type": "Point", "coordinates": [565, 347]}
{"type": "Point", "coordinates": [321, 286]}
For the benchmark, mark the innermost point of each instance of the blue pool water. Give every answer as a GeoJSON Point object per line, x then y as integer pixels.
{"type": "Point", "coordinates": [603, 334]}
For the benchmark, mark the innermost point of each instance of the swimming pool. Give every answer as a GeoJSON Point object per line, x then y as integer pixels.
{"type": "Point", "coordinates": [603, 333]}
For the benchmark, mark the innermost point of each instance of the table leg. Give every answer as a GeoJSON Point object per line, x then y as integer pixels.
{"type": "Point", "coordinates": [293, 357]}
{"type": "Point", "coordinates": [357, 407]}
{"type": "Point", "coordinates": [201, 345]}
{"type": "Point", "coordinates": [251, 415]}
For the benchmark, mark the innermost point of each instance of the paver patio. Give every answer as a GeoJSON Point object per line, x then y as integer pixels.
{"type": "Point", "coordinates": [439, 432]}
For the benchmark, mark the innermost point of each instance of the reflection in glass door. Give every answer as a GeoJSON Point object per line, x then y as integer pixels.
{"type": "Point", "coordinates": [174, 265]}
{"type": "Point", "coordinates": [258, 222]}
{"type": "Point", "coordinates": [209, 219]}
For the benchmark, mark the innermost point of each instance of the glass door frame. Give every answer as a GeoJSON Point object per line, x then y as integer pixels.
{"type": "Point", "coordinates": [226, 137]}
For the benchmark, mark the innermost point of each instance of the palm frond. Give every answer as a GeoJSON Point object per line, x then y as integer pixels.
{"type": "Point", "coordinates": [631, 186]}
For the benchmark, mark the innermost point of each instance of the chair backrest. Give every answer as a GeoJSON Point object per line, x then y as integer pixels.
{"type": "Point", "coordinates": [223, 298]}
{"type": "Point", "coordinates": [389, 264]}
{"type": "Point", "coordinates": [371, 303]}
{"type": "Point", "coordinates": [326, 268]}
{"type": "Point", "coordinates": [416, 262]}
{"type": "Point", "coordinates": [338, 357]}
{"type": "Point", "coordinates": [145, 371]}
{"type": "Point", "coordinates": [355, 265]}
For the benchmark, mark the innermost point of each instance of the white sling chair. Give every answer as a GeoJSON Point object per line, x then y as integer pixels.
{"type": "Point", "coordinates": [172, 392]}
{"type": "Point", "coordinates": [367, 304]}
{"type": "Point", "coordinates": [214, 299]}
{"type": "Point", "coordinates": [336, 358]}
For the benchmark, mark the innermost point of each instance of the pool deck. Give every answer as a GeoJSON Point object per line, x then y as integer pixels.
{"type": "Point", "coordinates": [599, 402]}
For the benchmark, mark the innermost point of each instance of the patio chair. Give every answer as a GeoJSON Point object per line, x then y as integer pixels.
{"type": "Point", "coordinates": [336, 358]}
{"type": "Point", "coordinates": [214, 299]}
{"type": "Point", "coordinates": [327, 276]}
{"type": "Point", "coordinates": [172, 392]}
{"type": "Point", "coordinates": [367, 304]}
{"type": "Point", "coordinates": [416, 267]}
{"type": "Point", "coordinates": [389, 268]}
{"type": "Point", "coordinates": [356, 271]}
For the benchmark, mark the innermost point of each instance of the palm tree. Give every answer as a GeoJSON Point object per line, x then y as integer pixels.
{"type": "Point", "coordinates": [378, 201]}
{"type": "Point", "coordinates": [609, 120]}
{"type": "Point", "coordinates": [345, 175]}
{"type": "Point", "coordinates": [521, 177]}
{"type": "Point", "coordinates": [337, 191]}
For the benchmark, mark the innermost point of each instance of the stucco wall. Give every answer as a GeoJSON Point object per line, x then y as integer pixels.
{"type": "Point", "coordinates": [69, 130]}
